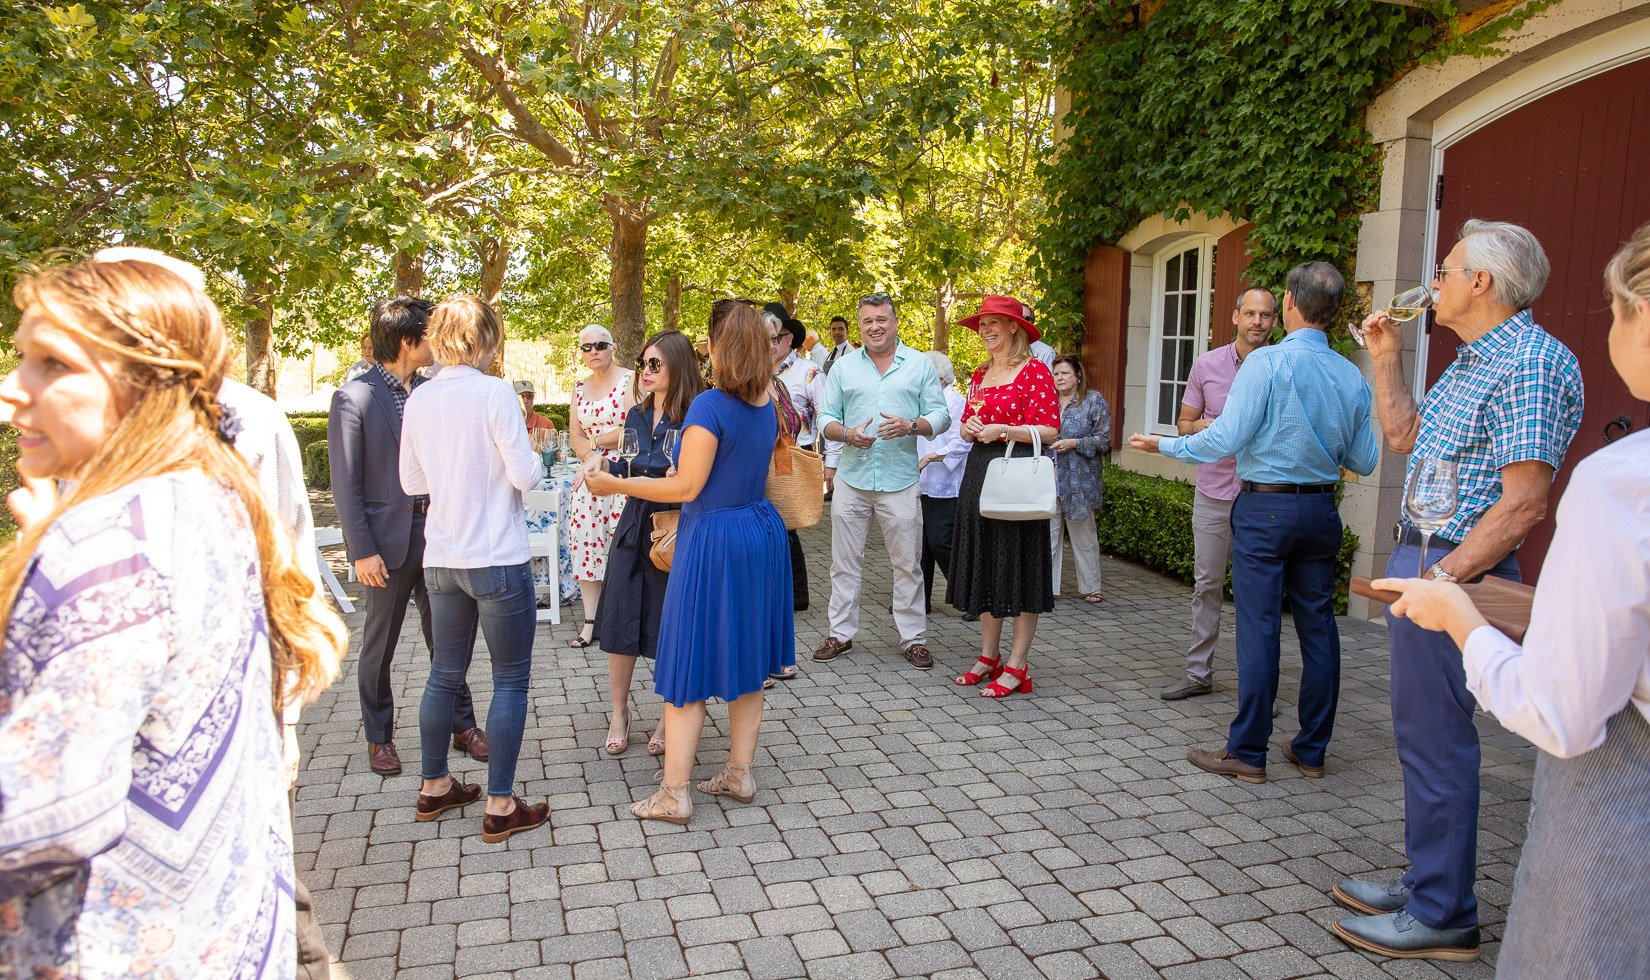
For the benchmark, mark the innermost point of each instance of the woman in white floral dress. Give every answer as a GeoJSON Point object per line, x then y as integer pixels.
{"type": "Point", "coordinates": [596, 424]}
{"type": "Point", "coordinates": [143, 810]}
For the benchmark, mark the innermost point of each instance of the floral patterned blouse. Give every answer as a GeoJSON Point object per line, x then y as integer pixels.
{"type": "Point", "coordinates": [1077, 473]}
{"type": "Point", "coordinates": [143, 814]}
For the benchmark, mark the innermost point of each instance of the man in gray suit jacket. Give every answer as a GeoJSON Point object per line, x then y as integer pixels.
{"type": "Point", "coordinates": [383, 525]}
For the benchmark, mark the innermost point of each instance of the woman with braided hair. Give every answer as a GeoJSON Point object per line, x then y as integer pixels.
{"type": "Point", "coordinates": [155, 621]}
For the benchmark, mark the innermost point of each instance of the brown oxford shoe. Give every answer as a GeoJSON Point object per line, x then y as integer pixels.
{"type": "Point", "coordinates": [525, 816]}
{"type": "Point", "coordinates": [1221, 763]}
{"type": "Point", "coordinates": [383, 758]}
{"type": "Point", "coordinates": [1310, 772]}
{"type": "Point", "coordinates": [458, 796]}
{"type": "Point", "coordinates": [474, 742]}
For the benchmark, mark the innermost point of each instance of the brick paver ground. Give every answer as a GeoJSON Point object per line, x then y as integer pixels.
{"type": "Point", "coordinates": [903, 827]}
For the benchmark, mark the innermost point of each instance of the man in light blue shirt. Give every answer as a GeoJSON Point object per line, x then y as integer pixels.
{"type": "Point", "coordinates": [878, 399]}
{"type": "Point", "coordinates": [1297, 413]}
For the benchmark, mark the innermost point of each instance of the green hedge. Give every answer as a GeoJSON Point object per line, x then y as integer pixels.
{"type": "Point", "coordinates": [8, 479]}
{"type": "Point", "coordinates": [317, 468]}
{"type": "Point", "coordinates": [1148, 519]}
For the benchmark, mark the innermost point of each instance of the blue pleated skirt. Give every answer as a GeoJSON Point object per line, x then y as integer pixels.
{"type": "Point", "coordinates": [728, 621]}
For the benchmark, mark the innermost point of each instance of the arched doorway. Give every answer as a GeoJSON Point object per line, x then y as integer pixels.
{"type": "Point", "coordinates": [1569, 167]}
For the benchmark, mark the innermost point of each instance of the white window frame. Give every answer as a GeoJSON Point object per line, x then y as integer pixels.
{"type": "Point", "coordinates": [1205, 247]}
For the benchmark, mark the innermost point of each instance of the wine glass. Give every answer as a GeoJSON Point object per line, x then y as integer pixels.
{"type": "Point", "coordinates": [1403, 308]}
{"type": "Point", "coordinates": [1429, 499]}
{"type": "Point", "coordinates": [673, 438]}
{"type": "Point", "coordinates": [976, 398]}
{"type": "Point", "coordinates": [629, 447]}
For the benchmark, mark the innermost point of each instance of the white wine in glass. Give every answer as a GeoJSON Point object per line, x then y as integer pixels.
{"type": "Point", "coordinates": [1403, 308]}
{"type": "Point", "coordinates": [629, 448]}
{"type": "Point", "coordinates": [1430, 499]}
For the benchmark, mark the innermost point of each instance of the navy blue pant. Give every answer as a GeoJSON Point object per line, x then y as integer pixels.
{"type": "Point", "coordinates": [1285, 541]}
{"type": "Point", "coordinates": [1438, 750]}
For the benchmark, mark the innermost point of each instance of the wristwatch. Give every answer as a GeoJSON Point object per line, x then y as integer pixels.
{"type": "Point", "coordinates": [1438, 574]}
{"type": "Point", "coordinates": [912, 422]}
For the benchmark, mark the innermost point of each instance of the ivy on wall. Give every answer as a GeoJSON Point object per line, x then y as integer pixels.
{"type": "Point", "coordinates": [1250, 107]}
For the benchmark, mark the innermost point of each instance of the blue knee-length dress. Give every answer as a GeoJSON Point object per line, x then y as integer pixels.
{"type": "Point", "coordinates": [728, 621]}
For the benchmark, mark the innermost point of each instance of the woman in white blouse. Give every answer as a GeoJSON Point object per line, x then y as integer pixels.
{"type": "Point", "coordinates": [463, 443]}
{"type": "Point", "coordinates": [1579, 689]}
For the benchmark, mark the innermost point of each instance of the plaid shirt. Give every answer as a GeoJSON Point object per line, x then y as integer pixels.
{"type": "Point", "coordinates": [1512, 395]}
{"type": "Point", "coordinates": [397, 391]}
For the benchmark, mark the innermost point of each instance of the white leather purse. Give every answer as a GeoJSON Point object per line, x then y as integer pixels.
{"type": "Point", "coordinates": [1020, 488]}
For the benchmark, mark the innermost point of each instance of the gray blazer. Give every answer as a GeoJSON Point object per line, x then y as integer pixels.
{"type": "Point", "coordinates": [364, 453]}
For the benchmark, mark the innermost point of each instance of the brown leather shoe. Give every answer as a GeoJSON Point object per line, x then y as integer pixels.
{"type": "Point", "coordinates": [458, 795]}
{"type": "Point", "coordinates": [525, 816]}
{"type": "Point", "coordinates": [1221, 763]}
{"type": "Point", "coordinates": [832, 648]}
{"type": "Point", "coordinates": [918, 654]}
{"type": "Point", "coordinates": [474, 742]}
{"type": "Point", "coordinates": [383, 758]}
{"type": "Point", "coordinates": [1310, 772]}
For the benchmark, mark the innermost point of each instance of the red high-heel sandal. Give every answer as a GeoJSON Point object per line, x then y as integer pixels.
{"type": "Point", "coordinates": [973, 677]}
{"type": "Point", "coordinates": [996, 689]}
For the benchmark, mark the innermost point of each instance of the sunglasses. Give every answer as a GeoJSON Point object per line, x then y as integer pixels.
{"type": "Point", "coordinates": [598, 345]}
{"type": "Point", "coordinates": [774, 339]}
{"type": "Point", "coordinates": [652, 365]}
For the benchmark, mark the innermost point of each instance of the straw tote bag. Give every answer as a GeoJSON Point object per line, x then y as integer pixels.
{"type": "Point", "coordinates": [1020, 488]}
{"type": "Point", "coordinates": [664, 539]}
{"type": "Point", "coordinates": [796, 480]}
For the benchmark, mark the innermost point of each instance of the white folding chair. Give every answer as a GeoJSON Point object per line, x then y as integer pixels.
{"type": "Point", "coordinates": [546, 544]}
{"type": "Point", "coordinates": [331, 537]}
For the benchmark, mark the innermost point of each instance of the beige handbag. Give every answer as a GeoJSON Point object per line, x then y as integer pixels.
{"type": "Point", "coordinates": [664, 539]}
{"type": "Point", "coordinates": [796, 481]}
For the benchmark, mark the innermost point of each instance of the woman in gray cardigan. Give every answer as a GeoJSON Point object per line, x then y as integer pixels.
{"type": "Point", "coordinates": [1085, 438]}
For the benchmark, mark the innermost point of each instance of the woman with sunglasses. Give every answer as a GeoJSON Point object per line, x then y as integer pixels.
{"type": "Point", "coordinates": [627, 617]}
{"type": "Point", "coordinates": [596, 426]}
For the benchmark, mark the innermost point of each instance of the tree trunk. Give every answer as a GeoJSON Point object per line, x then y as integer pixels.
{"type": "Point", "coordinates": [789, 292]}
{"type": "Point", "coordinates": [945, 297]}
{"type": "Point", "coordinates": [673, 302]}
{"type": "Point", "coordinates": [409, 273]}
{"type": "Point", "coordinates": [261, 366]}
{"type": "Point", "coordinates": [626, 281]}
{"type": "Point", "coordinates": [495, 261]}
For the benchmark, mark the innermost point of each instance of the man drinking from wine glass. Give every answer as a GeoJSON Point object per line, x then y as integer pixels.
{"type": "Point", "coordinates": [1297, 414]}
{"type": "Point", "coordinates": [1504, 412]}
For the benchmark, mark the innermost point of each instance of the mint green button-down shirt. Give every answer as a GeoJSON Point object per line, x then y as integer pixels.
{"type": "Point", "coordinates": [856, 392]}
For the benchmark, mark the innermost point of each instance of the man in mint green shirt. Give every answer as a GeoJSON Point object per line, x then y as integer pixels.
{"type": "Point", "coordinates": [878, 399]}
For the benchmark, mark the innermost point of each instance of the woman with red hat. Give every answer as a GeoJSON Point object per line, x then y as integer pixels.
{"type": "Point", "coordinates": [1003, 569]}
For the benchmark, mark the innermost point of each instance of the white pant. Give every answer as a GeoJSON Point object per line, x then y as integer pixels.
{"type": "Point", "coordinates": [899, 516]}
{"type": "Point", "coordinates": [1085, 549]}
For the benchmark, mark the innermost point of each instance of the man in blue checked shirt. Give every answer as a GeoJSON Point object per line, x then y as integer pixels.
{"type": "Point", "coordinates": [1297, 414]}
{"type": "Point", "coordinates": [1505, 412]}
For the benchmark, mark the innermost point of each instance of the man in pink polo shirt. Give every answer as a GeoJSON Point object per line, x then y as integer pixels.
{"type": "Point", "coordinates": [1217, 484]}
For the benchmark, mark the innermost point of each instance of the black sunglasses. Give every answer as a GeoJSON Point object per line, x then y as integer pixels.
{"type": "Point", "coordinates": [598, 345]}
{"type": "Point", "coordinates": [652, 365]}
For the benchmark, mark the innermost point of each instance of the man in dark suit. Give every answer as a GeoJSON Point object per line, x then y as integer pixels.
{"type": "Point", "coordinates": [384, 526]}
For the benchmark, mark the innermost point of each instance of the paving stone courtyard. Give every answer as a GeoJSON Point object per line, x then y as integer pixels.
{"type": "Point", "coordinates": [903, 827]}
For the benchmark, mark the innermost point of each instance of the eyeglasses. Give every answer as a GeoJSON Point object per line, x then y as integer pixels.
{"type": "Point", "coordinates": [652, 365]}
{"type": "Point", "coordinates": [598, 345]}
{"type": "Point", "coordinates": [773, 339]}
{"type": "Point", "coordinates": [1440, 272]}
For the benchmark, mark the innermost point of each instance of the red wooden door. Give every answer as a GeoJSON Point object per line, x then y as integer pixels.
{"type": "Point", "coordinates": [1571, 168]}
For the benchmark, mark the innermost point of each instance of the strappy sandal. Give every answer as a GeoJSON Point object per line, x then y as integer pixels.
{"type": "Point", "coordinates": [665, 805]}
{"type": "Point", "coordinates": [729, 782]}
{"type": "Point", "coordinates": [993, 667]}
{"type": "Point", "coordinates": [784, 673]}
{"type": "Point", "coordinates": [656, 745]}
{"type": "Point", "coordinates": [996, 689]}
{"type": "Point", "coordinates": [579, 642]}
{"type": "Point", "coordinates": [1094, 598]}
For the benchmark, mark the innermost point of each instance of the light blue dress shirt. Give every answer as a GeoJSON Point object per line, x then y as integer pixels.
{"type": "Point", "coordinates": [856, 392]}
{"type": "Point", "coordinates": [1297, 413]}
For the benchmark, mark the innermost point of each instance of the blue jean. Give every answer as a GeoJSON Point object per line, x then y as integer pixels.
{"type": "Point", "coordinates": [500, 599]}
{"type": "Point", "coordinates": [1285, 541]}
{"type": "Point", "coordinates": [1432, 722]}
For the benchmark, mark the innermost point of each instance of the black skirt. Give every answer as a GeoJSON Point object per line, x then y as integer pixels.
{"type": "Point", "coordinates": [998, 567]}
{"type": "Point", "coordinates": [633, 594]}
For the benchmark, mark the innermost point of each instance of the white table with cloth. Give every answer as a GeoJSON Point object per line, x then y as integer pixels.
{"type": "Point", "coordinates": [557, 478]}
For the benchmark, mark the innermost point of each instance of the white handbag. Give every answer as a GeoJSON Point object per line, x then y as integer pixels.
{"type": "Point", "coordinates": [1020, 488]}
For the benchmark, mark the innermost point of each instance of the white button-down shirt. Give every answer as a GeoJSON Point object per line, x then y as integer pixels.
{"type": "Point", "coordinates": [943, 476]}
{"type": "Point", "coordinates": [1586, 655]}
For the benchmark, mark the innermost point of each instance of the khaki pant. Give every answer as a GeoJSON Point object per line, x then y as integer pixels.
{"type": "Point", "coordinates": [1085, 550]}
{"type": "Point", "coordinates": [1211, 550]}
{"type": "Point", "coordinates": [899, 517]}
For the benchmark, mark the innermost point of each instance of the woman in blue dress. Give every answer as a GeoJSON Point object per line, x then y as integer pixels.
{"type": "Point", "coordinates": [727, 620]}
{"type": "Point", "coordinates": [633, 597]}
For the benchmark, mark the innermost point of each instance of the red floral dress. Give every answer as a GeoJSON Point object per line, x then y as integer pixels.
{"type": "Point", "coordinates": [592, 520]}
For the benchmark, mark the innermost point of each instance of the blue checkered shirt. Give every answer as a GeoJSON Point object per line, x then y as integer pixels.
{"type": "Point", "coordinates": [1512, 395]}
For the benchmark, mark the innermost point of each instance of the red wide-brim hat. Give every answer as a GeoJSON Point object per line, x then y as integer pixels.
{"type": "Point", "coordinates": [1004, 306]}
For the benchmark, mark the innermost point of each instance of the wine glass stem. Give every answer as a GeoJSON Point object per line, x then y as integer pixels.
{"type": "Point", "coordinates": [1426, 541]}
